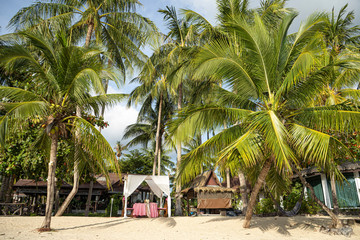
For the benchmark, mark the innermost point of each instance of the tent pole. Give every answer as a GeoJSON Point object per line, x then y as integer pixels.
{"type": "Point", "coordinates": [169, 206]}
{"type": "Point", "coordinates": [125, 196]}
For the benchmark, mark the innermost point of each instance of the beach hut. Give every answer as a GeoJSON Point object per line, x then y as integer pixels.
{"type": "Point", "coordinates": [209, 192]}
{"type": "Point", "coordinates": [348, 192]}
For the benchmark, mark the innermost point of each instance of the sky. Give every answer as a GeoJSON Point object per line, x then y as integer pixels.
{"type": "Point", "coordinates": [119, 117]}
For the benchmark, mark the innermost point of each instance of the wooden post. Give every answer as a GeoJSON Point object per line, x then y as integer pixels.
{"type": "Point", "coordinates": [188, 206]}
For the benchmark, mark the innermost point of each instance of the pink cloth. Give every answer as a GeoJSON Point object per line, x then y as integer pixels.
{"type": "Point", "coordinates": [154, 210]}
{"type": "Point", "coordinates": [140, 210]}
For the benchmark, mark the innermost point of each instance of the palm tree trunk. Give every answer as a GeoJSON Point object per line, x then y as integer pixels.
{"type": "Point", "coordinates": [259, 183]}
{"type": "Point", "coordinates": [76, 170]}
{"type": "Point", "coordinates": [4, 187]}
{"type": "Point", "coordinates": [228, 184]}
{"type": "Point", "coordinates": [159, 153]}
{"type": "Point", "coordinates": [154, 165]}
{"type": "Point", "coordinates": [178, 209]}
{"type": "Point", "coordinates": [157, 140]}
{"type": "Point", "coordinates": [334, 195]}
{"type": "Point", "coordinates": [50, 183]}
{"type": "Point", "coordinates": [9, 191]}
{"type": "Point", "coordinates": [336, 223]}
{"type": "Point", "coordinates": [73, 192]}
{"type": "Point", "coordinates": [243, 192]}
{"type": "Point", "coordinates": [57, 198]}
{"type": "Point", "coordinates": [88, 200]}
{"type": "Point", "coordinates": [89, 33]}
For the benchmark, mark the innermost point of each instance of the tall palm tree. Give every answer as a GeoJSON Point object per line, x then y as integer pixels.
{"type": "Point", "coordinates": [278, 75]}
{"type": "Point", "coordinates": [340, 34]}
{"type": "Point", "coordinates": [154, 89]}
{"type": "Point", "coordinates": [150, 126]}
{"type": "Point", "coordinates": [64, 75]}
{"type": "Point", "coordinates": [182, 36]}
{"type": "Point", "coordinates": [114, 24]}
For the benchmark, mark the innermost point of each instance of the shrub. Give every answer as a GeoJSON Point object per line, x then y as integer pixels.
{"type": "Point", "coordinates": [116, 205]}
{"type": "Point", "coordinates": [265, 206]}
{"type": "Point", "coordinates": [308, 206]}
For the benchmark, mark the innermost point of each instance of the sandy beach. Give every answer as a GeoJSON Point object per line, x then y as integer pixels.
{"type": "Point", "coordinates": [205, 227]}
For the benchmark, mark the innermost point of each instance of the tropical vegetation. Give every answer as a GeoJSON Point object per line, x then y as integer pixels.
{"type": "Point", "coordinates": [248, 96]}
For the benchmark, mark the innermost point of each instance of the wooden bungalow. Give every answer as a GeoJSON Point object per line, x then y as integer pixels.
{"type": "Point", "coordinates": [35, 191]}
{"type": "Point", "coordinates": [348, 192]}
{"type": "Point", "coordinates": [211, 196]}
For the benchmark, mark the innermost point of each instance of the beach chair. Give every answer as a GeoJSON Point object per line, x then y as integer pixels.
{"type": "Point", "coordinates": [165, 208]}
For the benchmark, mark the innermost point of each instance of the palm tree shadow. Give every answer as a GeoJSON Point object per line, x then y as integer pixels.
{"type": "Point", "coordinates": [170, 222]}
{"type": "Point", "coordinates": [281, 224]}
{"type": "Point", "coordinates": [284, 224]}
{"type": "Point", "coordinates": [221, 219]}
{"type": "Point", "coordinates": [98, 225]}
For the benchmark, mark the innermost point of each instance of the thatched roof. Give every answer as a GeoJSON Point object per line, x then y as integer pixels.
{"type": "Point", "coordinates": [207, 182]}
{"type": "Point", "coordinates": [214, 189]}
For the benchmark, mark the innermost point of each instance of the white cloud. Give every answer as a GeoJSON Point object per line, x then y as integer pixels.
{"type": "Point", "coordinates": [118, 117]}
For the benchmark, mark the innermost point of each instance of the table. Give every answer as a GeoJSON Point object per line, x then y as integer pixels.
{"type": "Point", "coordinates": [145, 209]}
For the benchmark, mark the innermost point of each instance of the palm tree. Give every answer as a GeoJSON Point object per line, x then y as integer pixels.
{"type": "Point", "coordinates": [115, 25]}
{"type": "Point", "coordinates": [154, 89]}
{"type": "Point", "coordinates": [150, 126]}
{"type": "Point", "coordinates": [182, 36]}
{"type": "Point", "coordinates": [119, 148]}
{"type": "Point", "coordinates": [340, 34]}
{"type": "Point", "coordinates": [272, 79]}
{"type": "Point", "coordinates": [63, 75]}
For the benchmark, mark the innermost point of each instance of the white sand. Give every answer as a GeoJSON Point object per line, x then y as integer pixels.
{"type": "Point", "coordinates": [207, 227]}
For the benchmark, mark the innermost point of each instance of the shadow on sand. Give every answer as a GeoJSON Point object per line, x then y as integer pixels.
{"type": "Point", "coordinates": [170, 222]}
{"type": "Point", "coordinates": [99, 225]}
{"type": "Point", "coordinates": [281, 224]}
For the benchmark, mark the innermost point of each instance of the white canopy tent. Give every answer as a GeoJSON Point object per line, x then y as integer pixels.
{"type": "Point", "coordinates": [158, 184]}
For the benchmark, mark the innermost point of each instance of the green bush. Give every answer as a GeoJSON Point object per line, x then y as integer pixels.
{"type": "Point", "coordinates": [116, 205]}
{"type": "Point", "coordinates": [265, 206]}
{"type": "Point", "coordinates": [308, 206]}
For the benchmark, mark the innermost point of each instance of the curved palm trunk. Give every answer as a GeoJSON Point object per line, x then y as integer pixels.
{"type": "Point", "coordinates": [88, 200]}
{"type": "Point", "coordinates": [91, 187]}
{"type": "Point", "coordinates": [73, 192]}
{"type": "Point", "coordinates": [259, 183]}
{"type": "Point", "coordinates": [50, 183]}
{"type": "Point", "coordinates": [157, 144]}
{"type": "Point", "coordinates": [336, 223]}
{"type": "Point", "coordinates": [87, 42]}
{"type": "Point", "coordinates": [243, 190]}
{"type": "Point", "coordinates": [178, 209]}
{"type": "Point", "coordinates": [334, 195]}
{"type": "Point", "coordinates": [75, 188]}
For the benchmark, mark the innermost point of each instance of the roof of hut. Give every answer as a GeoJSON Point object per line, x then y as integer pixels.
{"type": "Point", "coordinates": [344, 167]}
{"type": "Point", "coordinates": [207, 182]}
